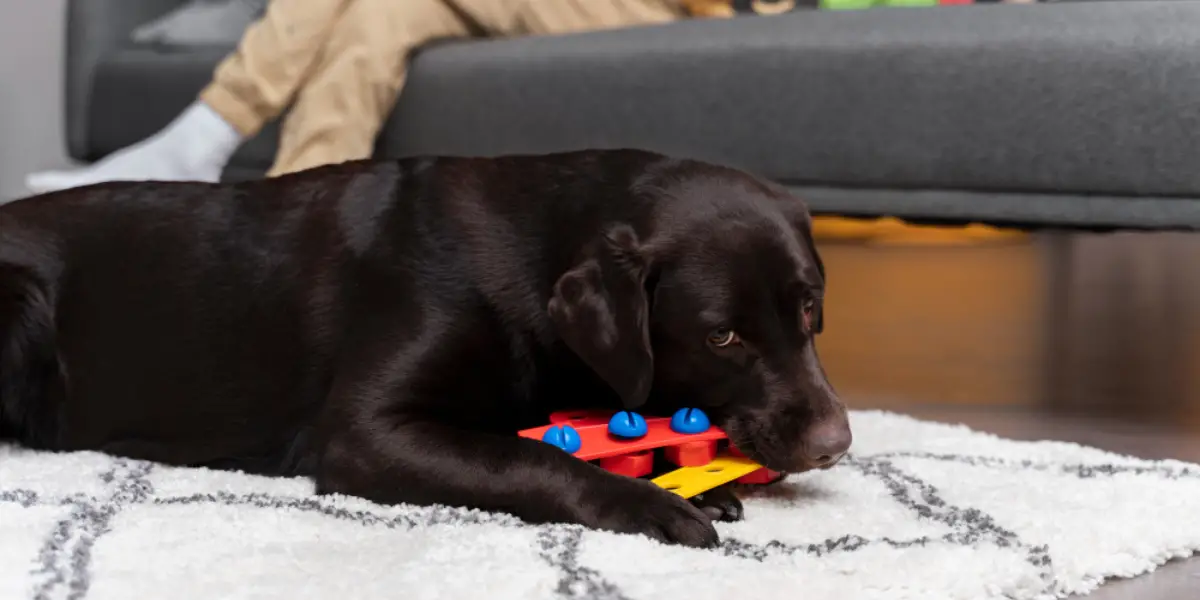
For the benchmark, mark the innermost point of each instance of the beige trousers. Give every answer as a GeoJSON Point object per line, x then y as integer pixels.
{"type": "Point", "coordinates": [340, 64]}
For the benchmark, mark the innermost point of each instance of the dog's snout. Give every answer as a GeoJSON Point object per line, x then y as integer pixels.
{"type": "Point", "coordinates": [827, 442]}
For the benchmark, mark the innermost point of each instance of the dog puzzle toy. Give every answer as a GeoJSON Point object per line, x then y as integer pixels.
{"type": "Point", "coordinates": [564, 437]}
{"type": "Point", "coordinates": [689, 420]}
{"type": "Point", "coordinates": [624, 443]}
{"type": "Point", "coordinates": [627, 424]}
{"type": "Point", "coordinates": [689, 481]}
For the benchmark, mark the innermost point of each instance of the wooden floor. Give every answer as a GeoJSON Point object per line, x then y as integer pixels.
{"type": "Point", "coordinates": [1090, 338]}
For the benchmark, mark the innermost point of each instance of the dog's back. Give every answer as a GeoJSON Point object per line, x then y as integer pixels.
{"type": "Point", "coordinates": [188, 321]}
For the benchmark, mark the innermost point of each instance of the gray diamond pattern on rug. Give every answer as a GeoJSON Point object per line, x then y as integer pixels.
{"type": "Point", "coordinates": [920, 510]}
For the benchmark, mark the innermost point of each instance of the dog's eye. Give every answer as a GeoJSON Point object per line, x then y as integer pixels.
{"type": "Point", "coordinates": [806, 313]}
{"type": "Point", "coordinates": [722, 338]}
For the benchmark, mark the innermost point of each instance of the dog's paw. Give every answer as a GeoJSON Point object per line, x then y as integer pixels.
{"type": "Point", "coordinates": [720, 504]}
{"type": "Point", "coordinates": [640, 507]}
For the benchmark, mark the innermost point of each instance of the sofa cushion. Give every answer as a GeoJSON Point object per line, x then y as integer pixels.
{"type": "Point", "coordinates": [1068, 98]}
{"type": "Point", "coordinates": [201, 22]}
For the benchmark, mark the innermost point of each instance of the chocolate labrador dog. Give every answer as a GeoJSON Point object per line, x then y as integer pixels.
{"type": "Point", "coordinates": [385, 327]}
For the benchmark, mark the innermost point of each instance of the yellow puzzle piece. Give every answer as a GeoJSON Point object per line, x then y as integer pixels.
{"type": "Point", "coordinates": [689, 481]}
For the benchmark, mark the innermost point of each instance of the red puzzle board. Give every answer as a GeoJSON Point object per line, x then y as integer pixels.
{"type": "Point", "coordinates": [598, 443]}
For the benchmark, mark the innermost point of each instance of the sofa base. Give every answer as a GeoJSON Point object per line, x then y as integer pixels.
{"type": "Point", "coordinates": [1032, 211]}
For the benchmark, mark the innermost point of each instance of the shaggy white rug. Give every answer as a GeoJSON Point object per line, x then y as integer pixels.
{"type": "Point", "coordinates": [920, 510]}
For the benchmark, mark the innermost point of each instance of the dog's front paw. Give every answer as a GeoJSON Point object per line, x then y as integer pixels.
{"type": "Point", "coordinates": [720, 504]}
{"type": "Point", "coordinates": [640, 507]}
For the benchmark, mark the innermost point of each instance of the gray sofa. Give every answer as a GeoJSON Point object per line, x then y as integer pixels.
{"type": "Point", "coordinates": [1075, 114]}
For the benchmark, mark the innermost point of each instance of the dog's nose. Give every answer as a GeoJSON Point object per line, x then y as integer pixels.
{"type": "Point", "coordinates": [827, 442]}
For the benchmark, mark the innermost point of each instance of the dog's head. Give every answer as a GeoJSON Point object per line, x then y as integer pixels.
{"type": "Point", "coordinates": [716, 308]}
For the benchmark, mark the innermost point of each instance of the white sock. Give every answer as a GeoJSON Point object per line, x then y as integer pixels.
{"type": "Point", "coordinates": [193, 147]}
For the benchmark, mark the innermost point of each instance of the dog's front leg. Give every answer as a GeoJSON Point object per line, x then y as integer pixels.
{"type": "Point", "coordinates": [394, 458]}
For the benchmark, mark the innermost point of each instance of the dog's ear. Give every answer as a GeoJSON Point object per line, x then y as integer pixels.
{"type": "Point", "coordinates": [800, 218]}
{"type": "Point", "coordinates": [600, 309]}
{"type": "Point", "coordinates": [818, 319]}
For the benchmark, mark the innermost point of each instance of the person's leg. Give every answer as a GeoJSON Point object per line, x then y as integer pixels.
{"type": "Point", "coordinates": [560, 17]}
{"type": "Point", "coordinates": [249, 88]}
{"type": "Point", "coordinates": [354, 86]}
{"type": "Point", "coordinates": [539, 17]}
{"type": "Point", "coordinates": [275, 58]}
{"type": "Point", "coordinates": [338, 114]}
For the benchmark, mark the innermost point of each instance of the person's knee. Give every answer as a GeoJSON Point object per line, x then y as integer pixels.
{"type": "Point", "coordinates": [555, 16]}
{"type": "Point", "coordinates": [404, 23]}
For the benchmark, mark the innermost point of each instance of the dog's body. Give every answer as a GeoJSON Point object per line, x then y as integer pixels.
{"type": "Point", "coordinates": [386, 327]}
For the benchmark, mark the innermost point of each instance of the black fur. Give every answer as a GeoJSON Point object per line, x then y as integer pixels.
{"type": "Point", "coordinates": [386, 326]}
